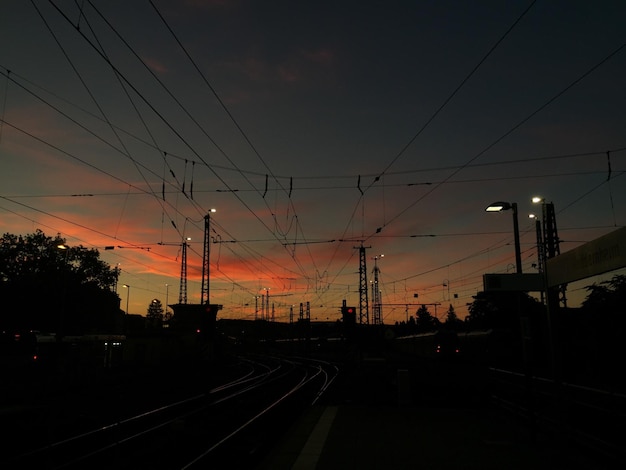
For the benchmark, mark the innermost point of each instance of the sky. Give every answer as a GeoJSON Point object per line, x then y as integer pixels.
{"type": "Point", "coordinates": [312, 129]}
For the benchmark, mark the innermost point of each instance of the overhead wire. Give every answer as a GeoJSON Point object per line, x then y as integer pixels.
{"type": "Point", "coordinates": [510, 131]}
{"type": "Point", "coordinates": [10, 77]}
{"type": "Point", "coordinates": [425, 125]}
{"type": "Point", "coordinates": [453, 94]}
{"type": "Point", "coordinates": [163, 117]}
{"type": "Point", "coordinates": [174, 225]}
{"type": "Point", "coordinates": [385, 172]}
{"type": "Point", "coordinates": [86, 87]}
{"type": "Point", "coordinates": [241, 131]}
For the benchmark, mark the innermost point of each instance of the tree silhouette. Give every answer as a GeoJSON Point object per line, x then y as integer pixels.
{"type": "Point", "coordinates": [600, 329]}
{"type": "Point", "coordinates": [608, 296]}
{"type": "Point", "coordinates": [425, 322]}
{"type": "Point", "coordinates": [46, 285]}
{"type": "Point", "coordinates": [452, 322]}
{"type": "Point", "coordinates": [501, 310]}
{"type": "Point", "coordinates": [155, 315]}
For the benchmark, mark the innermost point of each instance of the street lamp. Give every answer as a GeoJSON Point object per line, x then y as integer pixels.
{"type": "Point", "coordinates": [208, 260]}
{"type": "Point", "coordinates": [59, 334]}
{"type": "Point", "coordinates": [377, 315]}
{"type": "Point", "coordinates": [207, 256]}
{"type": "Point", "coordinates": [127, 296]}
{"type": "Point", "coordinates": [503, 206]}
{"type": "Point", "coordinates": [540, 245]}
{"type": "Point", "coordinates": [540, 249]}
{"type": "Point", "coordinates": [167, 296]}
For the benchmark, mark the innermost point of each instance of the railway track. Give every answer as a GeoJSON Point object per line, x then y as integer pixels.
{"type": "Point", "coordinates": [235, 421]}
{"type": "Point", "coordinates": [586, 420]}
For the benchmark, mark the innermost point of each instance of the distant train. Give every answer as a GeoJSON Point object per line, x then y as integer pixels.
{"type": "Point", "coordinates": [492, 346]}
{"type": "Point", "coordinates": [23, 349]}
{"type": "Point", "coordinates": [436, 344]}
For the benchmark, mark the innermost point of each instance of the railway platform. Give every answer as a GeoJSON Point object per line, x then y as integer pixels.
{"type": "Point", "coordinates": [409, 437]}
{"type": "Point", "coordinates": [376, 425]}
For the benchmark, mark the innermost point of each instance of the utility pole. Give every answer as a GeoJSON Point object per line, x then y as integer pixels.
{"type": "Point", "coordinates": [182, 292]}
{"type": "Point", "coordinates": [551, 237]}
{"type": "Point", "coordinates": [377, 314]}
{"type": "Point", "coordinates": [363, 301]}
{"type": "Point", "coordinates": [206, 255]}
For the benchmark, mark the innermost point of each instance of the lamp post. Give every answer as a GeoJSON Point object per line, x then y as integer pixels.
{"type": "Point", "coordinates": [377, 314]}
{"type": "Point", "coordinates": [550, 248]}
{"type": "Point", "coordinates": [540, 250]}
{"type": "Point", "coordinates": [59, 335]}
{"type": "Point", "coordinates": [206, 258]}
{"type": "Point", "coordinates": [127, 297]}
{"type": "Point", "coordinates": [540, 246]}
{"type": "Point", "coordinates": [503, 206]}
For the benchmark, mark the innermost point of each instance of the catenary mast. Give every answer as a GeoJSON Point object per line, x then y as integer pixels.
{"type": "Point", "coordinates": [363, 301]}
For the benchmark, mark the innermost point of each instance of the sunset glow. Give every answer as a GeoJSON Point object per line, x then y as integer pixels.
{"type": "Point", "coordinates": [311, 132]}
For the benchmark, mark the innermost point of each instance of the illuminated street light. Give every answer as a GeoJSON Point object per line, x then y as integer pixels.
{"type": "Point", "coordinates": [206, 256]}
{"type": "Point", "coordinates": [64, 294]}
{"type": "Point", "coordinates": [540, 245]}
{"type": "Point", "coordinates": [377, 310]}
{"type": "Point", "coordinates": [504, 206]}
{"type": "Point", "coordinates": [127, 296]}
{"type": "Point", "coordinates": [548, 220]}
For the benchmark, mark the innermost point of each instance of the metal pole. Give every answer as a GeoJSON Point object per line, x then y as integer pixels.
{"type": "Point", "coordinates": [518, 253]}
{"type": "Point", "coordinates": [208, 258]}
{"type": "Point", "coordinates": [127, 298]}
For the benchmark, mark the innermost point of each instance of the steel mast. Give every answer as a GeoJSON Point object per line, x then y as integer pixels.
{"type": "Point", "coordinates": [363, 301]}
{"type": "Point", "coordinates": [377, 314]}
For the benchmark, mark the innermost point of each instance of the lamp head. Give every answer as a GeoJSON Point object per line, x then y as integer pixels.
{"type": "Point", "coordinates": [498, 206]}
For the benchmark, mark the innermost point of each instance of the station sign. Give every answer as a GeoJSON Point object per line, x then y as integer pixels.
{"type": "Point", "coordinates": [599, 256]}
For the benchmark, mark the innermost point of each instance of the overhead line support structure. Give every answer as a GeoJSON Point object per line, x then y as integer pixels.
{"type": "Point", "coordinates": [204, 291]}
{"type": "Point", "coordinates": [377, 309]}
{"type": "Point", "coordinates": [182, 292]}
{"type": "Point", "coordinates": [363, 300]}
{"type": "Point", "coordinates": [551, 243]}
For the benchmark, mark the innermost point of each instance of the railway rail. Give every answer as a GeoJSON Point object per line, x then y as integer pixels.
{"type": "Point", "coordinates": [588, 420]}
{"type": "Point", "coordinates": [234, 421]}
